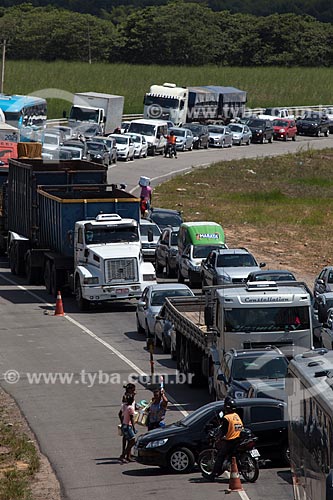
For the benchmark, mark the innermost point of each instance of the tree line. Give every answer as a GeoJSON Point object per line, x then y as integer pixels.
{"type": "Point", "coordinates": [321, 10]}
{"type": "Point", "coordinates": [179, 33]}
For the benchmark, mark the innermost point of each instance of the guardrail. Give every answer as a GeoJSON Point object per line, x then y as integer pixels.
{"type": "Point", "coordinates": [293, 110]}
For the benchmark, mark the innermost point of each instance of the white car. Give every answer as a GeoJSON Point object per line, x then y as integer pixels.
{"type": "Point", "coordinates": [151, 302]}
{"type": "Point", "coordinates": [149, 235]}
{"type": "Point", "coordinates": [140, 145]}
{"type": "Point", "coordinates": [125, 146]}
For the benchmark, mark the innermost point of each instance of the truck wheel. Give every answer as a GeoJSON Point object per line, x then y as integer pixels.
{"type": "Point", "coordinates": [12, 260]}
{"type": "Point", "coordinates": [32, 273]}
{"type": "Point", "coordinates": [47, 277]}
{"type": "Point", "coordinates": [82, 303]}
{"type": "Point", "coordinates": [180, 277]}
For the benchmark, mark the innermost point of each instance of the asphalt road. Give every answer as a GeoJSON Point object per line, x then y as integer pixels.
{"type": "Point", "coordinates": [75, 419]}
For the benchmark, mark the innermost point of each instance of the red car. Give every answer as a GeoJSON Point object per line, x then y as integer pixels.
{"type": "Point", "coordinates": [284, 129]}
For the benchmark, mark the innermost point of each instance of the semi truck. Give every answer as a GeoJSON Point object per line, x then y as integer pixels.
{"type": "Point", "coordinates": [92, 107]}
{"type": "Point", "coordinates": [64, 227]}
{"type": "Point", "coordinates": [239, 316]}
{"type": "Point", "coordinates": [191, 104]}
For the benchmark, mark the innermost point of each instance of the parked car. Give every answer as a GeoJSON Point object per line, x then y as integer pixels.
{"type": "Point", "coordinates": [151, 301]}
{"type": "Point", "coordinates": [178, 446]}
{"type": "Point", "coordinates": [262, 130]}
{"type": "Point", "coordinates": [228, 265]}
{"type": "Point", "coordinates": [165, 217]}
{"type": "Point", "coordinates": [98, 153]}
{"type": "Point", "coordinates": [166, 251]}
{"type": "Point", "coordinates": [140, 145]}
{"type": "Point", "coordinates": [324, 281]}
{"type": "Point", "coordinates": [200, 135]}
{"type": "Point", "coordinates": [184, 138]}
{"type": "Point", "coordinates": [241, 134]}
{"type": "Point", "coordinates": [189, 262]}
{"type": "Point", "coordinates": [111, 144]}
{"type": "Point", "coordinates": [271, 275]}
{"type": "Point", "coordinates": [284, 129]}
{"type": "Point", "coordinates": [240, 368]}
{"type": "Point", "coordinates": [220, 136]}
{"type": "Point", "coordinates": [125, 146]}
{"type": "Point", "coordinates": [323, 303]}
{"type": "Point", "coordinates": [150, 234]}
{"type": "Point", "coordinates": [313, 123]}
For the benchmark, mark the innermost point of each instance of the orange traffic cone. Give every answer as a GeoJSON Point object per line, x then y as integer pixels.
{"type": "Point", "coordinates": [59, 309]}
{"type": "Point", "coordinates": [235, 482]}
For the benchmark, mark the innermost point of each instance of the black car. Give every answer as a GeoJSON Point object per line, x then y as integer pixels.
{"type": "Point", "coordinates": [239, 368]}
{"type": "Point", "coordinates": [271, 275]}
{"type": "Point", "coordinates": [262, 130]}
{"type": "Point", "coordinates": [178, 445]}
{"type": "Point", "coordinates": [98, 152]}
{"type": "Point", "coordinates": [166, 251]}
{"type": "Point", "coordinates": [313, 124]}
{"type": "Point", "coordinates": [200, 134]}
{"type": "Point", "coordinates": [165, 217]}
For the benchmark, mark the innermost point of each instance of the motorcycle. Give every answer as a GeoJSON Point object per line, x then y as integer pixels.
{"type": "Point", "coordinates": [170, 151]}
{"type": "Point", "coordinates": [245, 453]}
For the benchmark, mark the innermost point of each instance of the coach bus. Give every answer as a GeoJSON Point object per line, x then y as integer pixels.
{"type": "Point", "coordinates": [27, 113]}
{"type": "Point", "coordinates": [310, 405]}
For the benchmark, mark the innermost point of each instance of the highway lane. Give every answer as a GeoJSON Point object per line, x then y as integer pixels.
{"type": "Point", "coordinates": [76, 424]}
{"type": "Point", "coordinates": [160, 169]}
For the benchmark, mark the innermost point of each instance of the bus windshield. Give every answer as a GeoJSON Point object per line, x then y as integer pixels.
{"type": "Point", "coordinates": [267, 319]}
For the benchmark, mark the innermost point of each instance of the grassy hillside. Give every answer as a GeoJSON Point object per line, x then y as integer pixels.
{"type": "Point", "coordinates": [265, 86]}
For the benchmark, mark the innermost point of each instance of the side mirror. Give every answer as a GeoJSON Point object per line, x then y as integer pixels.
{"type": "Point", "coordinates": [320, 282]}
{"type": "Point", "coordinates": [158, 136]}
{"type": "Point", "coordinates": [262, 264]}
{"type": "Point", "coordinates": [158, 317]}
{"type": "Point", "coordinates": [141, 304]}
{"type": "Point", "coordinates": [150, 235]}
{"type": "Point", "coordinates": [221, 378]}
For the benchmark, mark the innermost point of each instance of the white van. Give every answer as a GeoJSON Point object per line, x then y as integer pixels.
{"type": "Point", "coordinates": [155, 132]}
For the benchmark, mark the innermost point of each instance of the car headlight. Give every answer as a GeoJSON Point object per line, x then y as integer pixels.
{"type": "Point", "coordinates": [196, 138]}
{"type": "Point", "coordinates": [156, 444]}
{"type": "Point", "coordinates": [260, 131]}
{"type": "Point", "coordinates": [223, 278]}
{"type": "Point", "coordinates": [91, 281]}
{"type": "Point", "coordinates": [149, 277]}
{"type": "Point", "coordinates": [282, 130]}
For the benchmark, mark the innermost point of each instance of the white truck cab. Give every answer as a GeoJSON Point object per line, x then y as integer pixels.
{"type": "Point", "coordinates": [166, 102]}
{"type": "Point", "coordinates": [108, 260]}
{"type": "Point", "coordinates": [154, 131]}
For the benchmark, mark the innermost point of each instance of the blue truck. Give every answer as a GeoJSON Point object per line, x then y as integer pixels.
{"type": "Point", "coordinates": [63, 226]}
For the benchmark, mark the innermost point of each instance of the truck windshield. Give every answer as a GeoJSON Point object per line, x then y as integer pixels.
{"type": "Point", "coordinates": [260, 366]}
{"type": "Point", "coordinates": [142, 128]}
{"type": "Point", "coordinates": [267, 319]}
{"type": "Point", "coordinates": [97, 235]}
{"type": "Point", "coordinates": [164, 102]}
{"type": "Point", "coordinates": [84, 114]}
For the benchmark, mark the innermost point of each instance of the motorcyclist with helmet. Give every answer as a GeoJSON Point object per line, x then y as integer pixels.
{"type": "Point", "coordinates": [228, 433]}
{"type": "Point", "coordinates": [171, 144]}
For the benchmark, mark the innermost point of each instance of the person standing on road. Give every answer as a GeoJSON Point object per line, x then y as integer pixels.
{"type": "Point", "coordinates": [231, 428]}
{"type": "Point", "coordinates": [126, 416]}
{"type": "Point", "coordinates": [157, 409]}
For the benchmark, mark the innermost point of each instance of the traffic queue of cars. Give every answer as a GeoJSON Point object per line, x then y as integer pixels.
{"type": "Point", "coordinates": [139, 138]}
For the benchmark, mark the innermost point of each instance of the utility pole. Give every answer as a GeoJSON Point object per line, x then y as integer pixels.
{"type": "Point", "coordinates": [3, 64]}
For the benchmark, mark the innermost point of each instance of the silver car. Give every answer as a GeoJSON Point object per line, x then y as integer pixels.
{"type": "Point", "coordinates": [220, 136]}
{"type": "Point", "coordinates": [149, 234]}
{"type": "Point", "coordinates": [140, 145]}
{"type": "Point", "coordinates": [241, 134]}
{"type": "Point", "coordinates": [151, 302]}
{"type": "Point", "coordinates": [184, 138]}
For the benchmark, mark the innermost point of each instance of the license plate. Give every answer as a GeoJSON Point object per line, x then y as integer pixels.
{"type": "Point", "coordinates": [254, 453]}
{"type": "Point", "coordinates": [135, 451]}
{"type": "Point", "coordinates": [122, 291]}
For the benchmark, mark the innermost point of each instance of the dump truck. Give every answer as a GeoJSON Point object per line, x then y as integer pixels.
{"type": "Point", "coordinates": [65, 227]}
{"type": "Point", "coordinates": [92, 107]}
{"type": "Point", "coordinates": [194, 104]}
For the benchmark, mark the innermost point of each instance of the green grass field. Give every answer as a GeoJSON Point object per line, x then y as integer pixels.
{"type": "Point", "coordinates": [265, 86]}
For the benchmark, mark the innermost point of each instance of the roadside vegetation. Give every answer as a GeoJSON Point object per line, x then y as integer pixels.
{"type": "Point", "coordinates": [19, 458]}
{"type": "Point", "coordinates": [271, 86]}
{"type": "Point", "coordinates": [283, 204]}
